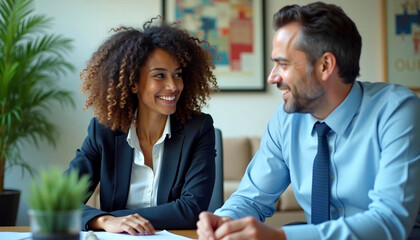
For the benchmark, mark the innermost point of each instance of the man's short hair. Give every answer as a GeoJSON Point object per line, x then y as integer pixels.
{"type": "Point", "coordinates": [325, 28]}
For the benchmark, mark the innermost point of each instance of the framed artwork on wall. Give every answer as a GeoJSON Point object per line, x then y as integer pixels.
{"type": "Point", "coordinates": [235, 31]}
{"type": "Point", "coordinates": [401, 20]}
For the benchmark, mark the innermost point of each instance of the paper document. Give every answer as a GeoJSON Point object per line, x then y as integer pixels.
{"type": "Point", "coordinates": [161, 235]}
{"type": "Point", "coordinates": [15, 235]}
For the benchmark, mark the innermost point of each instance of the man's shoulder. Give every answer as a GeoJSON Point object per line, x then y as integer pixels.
{"type": "Point", "coordinates": [383, 98]}
{"type": "Point", "coordinates": [385, 91]}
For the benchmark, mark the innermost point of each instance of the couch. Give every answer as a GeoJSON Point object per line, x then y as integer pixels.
{"type": "Point", "coordinates": [237, 153]}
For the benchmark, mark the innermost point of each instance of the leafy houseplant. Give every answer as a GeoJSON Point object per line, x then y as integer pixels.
{"type": "Point", "coordinates": [31, 60]}
{"type": "Point", "coordinates": [56, 205]}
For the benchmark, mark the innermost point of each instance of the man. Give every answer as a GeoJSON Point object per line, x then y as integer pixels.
{"type": "Point", "coordinates": [349, 149]}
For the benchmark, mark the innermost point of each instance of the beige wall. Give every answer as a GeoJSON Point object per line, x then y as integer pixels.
{"type": "Point", "coordinates": [236, 114]}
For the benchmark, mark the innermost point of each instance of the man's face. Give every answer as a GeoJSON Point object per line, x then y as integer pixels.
{"type": "Point", "coordinates": [301, 89]}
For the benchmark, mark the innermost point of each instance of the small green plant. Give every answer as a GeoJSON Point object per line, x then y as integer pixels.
{"type": "Point", "coordinates": [57, 194]}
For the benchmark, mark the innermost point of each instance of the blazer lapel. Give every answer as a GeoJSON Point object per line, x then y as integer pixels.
{"type": "Point", "coordinates": [170, 161]}
{"type": "Point", "coordinates": [123, 163]}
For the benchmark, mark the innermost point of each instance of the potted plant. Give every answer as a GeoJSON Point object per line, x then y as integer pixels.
{"type": "Point", "coordinates": [31, 60]}
{"type": "Point", "coordinates": [56, 205]}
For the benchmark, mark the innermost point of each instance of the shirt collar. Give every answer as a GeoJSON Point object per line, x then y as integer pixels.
{"type": "Point", "coordinates": [341, 117]}
{"type": "Point", "coordinates": [133, 140]}
{"type": "Point", "coordinates": [167, 129]}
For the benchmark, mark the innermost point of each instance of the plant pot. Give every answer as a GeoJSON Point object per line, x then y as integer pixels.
{"type": "Point", "coordinates": [9, 204]}
{"type": "Point", "coordinates": [55, 236]}
{"type": "Point", "coordinates": [49, 225]}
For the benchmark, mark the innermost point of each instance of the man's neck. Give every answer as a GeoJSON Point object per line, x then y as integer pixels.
{"type": "Point", "coordinates": [335, 93]}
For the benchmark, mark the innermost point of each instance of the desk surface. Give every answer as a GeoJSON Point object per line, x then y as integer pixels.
{"type": "Point", "coordinates": [185, 233]}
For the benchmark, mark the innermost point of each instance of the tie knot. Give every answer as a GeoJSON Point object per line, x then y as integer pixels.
{"type": "Point", "coordinates": [322, 129]}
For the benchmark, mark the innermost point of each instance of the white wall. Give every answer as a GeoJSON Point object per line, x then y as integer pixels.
{"type": "Point", "coordinates": [236, 114]}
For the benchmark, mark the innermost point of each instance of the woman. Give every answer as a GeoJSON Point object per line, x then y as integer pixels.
{"type": "Point", "coordinates": [149, 145]}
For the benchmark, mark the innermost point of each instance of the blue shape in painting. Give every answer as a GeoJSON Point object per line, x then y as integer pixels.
{"type": "Point", "coordinates": [207, 25]}
{"type": "Point", "coordinates": [178, 13]}
{"type": "Point", "coordinates": [404, 21]}
{"type": "Point", "coordinates": [189, 10]}
{"type": "Point", "coordinates": [224, 59]}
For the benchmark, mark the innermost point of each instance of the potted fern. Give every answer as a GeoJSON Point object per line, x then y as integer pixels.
{"type": "Point", "coordinates": [31, 60]}
{"type": "Point", "coordinates": [56, 205]}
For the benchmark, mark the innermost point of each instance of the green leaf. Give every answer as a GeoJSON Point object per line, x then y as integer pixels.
{"type": "Point", "coordinates": [58, 192]}
{"type": "Point", "coordinates": [31, 61]}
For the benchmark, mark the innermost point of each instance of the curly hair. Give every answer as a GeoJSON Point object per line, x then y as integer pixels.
{"type": "Point", "coordinates": [113, 69]}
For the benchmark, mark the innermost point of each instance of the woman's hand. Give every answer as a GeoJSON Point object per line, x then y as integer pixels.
{"type": "Point", "coordinates": [132, 224]}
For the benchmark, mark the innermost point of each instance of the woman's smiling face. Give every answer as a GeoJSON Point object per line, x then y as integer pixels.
{"type": "Point", "coordinates": [160, 84]}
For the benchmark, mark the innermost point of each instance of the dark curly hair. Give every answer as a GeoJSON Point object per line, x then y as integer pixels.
{"type": "Point", "coordinates": [115, 66]}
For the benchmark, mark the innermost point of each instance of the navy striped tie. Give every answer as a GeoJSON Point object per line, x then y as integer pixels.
{"type": "Point", "coordinates": [320, 178]}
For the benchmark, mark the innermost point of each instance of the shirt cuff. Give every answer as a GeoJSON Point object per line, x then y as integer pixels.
{"type": "Point", "coordinates": [304, 232]}
{"type": "Point", "coordinates": [226, 213]}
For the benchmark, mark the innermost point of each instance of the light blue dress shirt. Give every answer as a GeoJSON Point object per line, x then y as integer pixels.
{"type": "Point", "coordinates": [375, 166]}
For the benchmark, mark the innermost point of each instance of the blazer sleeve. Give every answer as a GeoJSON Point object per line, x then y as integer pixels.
{"type": "Point", "coordinates": [88, 162]}
{"type": "Point", "coordinates": [195, 190]}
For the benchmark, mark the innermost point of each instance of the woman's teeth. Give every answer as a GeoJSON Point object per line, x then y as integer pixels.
{"type": "Point", "coordinates": [169, 98]}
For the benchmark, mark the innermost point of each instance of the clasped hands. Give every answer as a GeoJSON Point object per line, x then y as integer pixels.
{"type": "Point", "coordinates": [213, 227]}
{"type": "Point", "coordinates": [132, 224]}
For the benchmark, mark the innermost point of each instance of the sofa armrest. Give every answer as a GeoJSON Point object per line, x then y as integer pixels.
{"type": "Point", "coordinates": [236, 156]}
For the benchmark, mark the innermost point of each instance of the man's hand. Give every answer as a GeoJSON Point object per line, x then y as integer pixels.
{"type": "Point", "coordinates": [132, 224]}
{"type": "Point", "coordinates": [208, 223]}
{"type": "Point", "coordinates": [245, 228]}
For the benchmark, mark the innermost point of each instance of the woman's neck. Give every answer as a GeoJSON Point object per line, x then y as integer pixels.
{"type": "Point", "coordinates": [150, 128]}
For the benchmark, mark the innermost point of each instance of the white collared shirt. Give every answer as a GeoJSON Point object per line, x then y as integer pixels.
{"type": "Point", "coordinates": [144, 181]}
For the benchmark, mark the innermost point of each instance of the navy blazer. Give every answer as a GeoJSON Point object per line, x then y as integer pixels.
{"type": "Point", "coordinates": [187, 174]}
